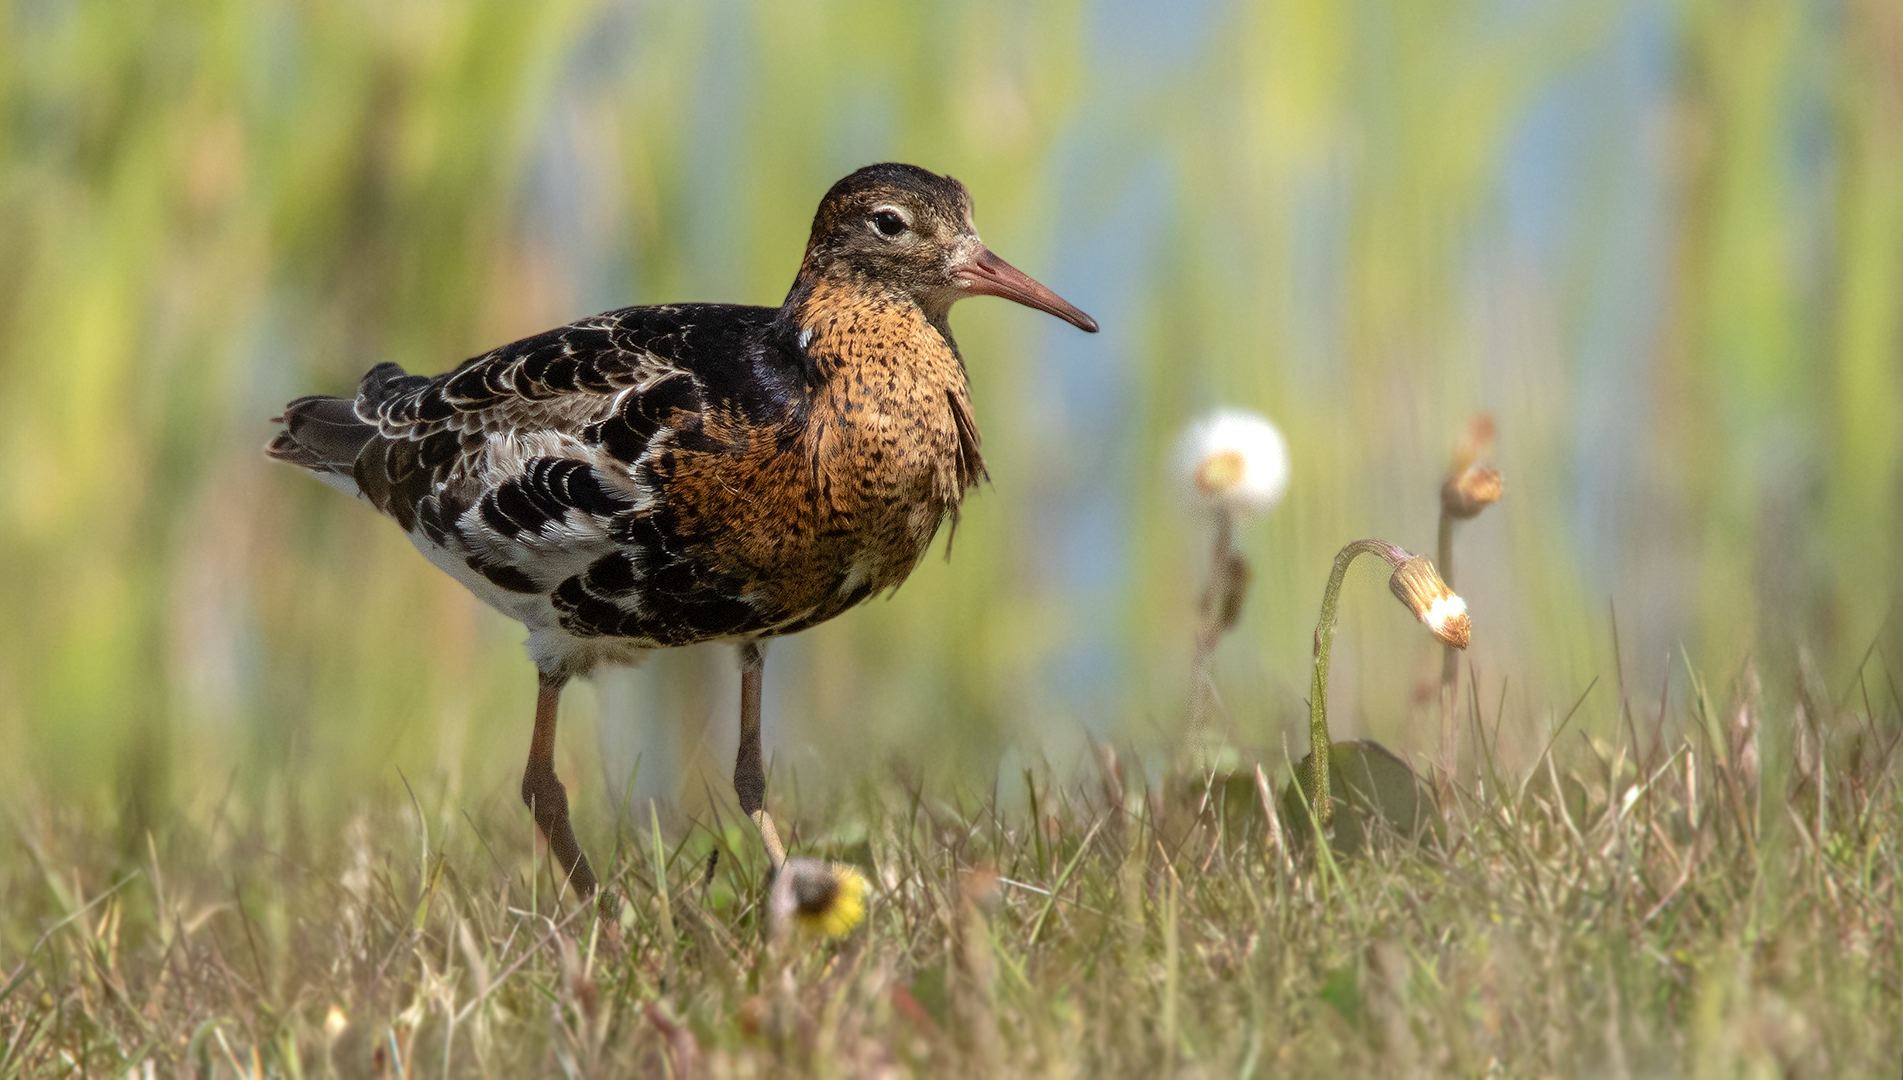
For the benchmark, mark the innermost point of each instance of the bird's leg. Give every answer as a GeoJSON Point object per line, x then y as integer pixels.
{"type": "Point", "coordinates": [749, 774]}
{"type": "Point", "coordinates": [546, 797]}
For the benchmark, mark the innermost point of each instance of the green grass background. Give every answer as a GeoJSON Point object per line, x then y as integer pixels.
{"type": "Point", "coordinates": [209, 208]}
{"type": "Point", "coordinates": [1313, 208]}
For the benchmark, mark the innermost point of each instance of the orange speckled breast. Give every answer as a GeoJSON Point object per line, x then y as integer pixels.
{"type": "Point", "coordinates": [816, 516]}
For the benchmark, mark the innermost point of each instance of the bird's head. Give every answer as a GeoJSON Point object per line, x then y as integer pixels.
{"type": "Point", "coordinates": [901, 230]}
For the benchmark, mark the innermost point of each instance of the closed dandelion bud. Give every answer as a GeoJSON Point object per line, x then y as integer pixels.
{"type": "Point", "coordinates": [1471, 487]}
{"type": "Point", "coordinates": [1470, 491]}
{"type": "Point", "coordinates": [1418, 585]}
{"type": "Point", "coordinates": [819, 899]}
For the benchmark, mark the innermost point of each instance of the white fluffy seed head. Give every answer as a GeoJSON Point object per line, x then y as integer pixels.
{"type": "Point", "coordinates": [1235, 458]}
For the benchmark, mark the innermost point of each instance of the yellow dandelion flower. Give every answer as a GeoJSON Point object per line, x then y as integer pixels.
{"type": "Point", "coordinates": [821, 899]}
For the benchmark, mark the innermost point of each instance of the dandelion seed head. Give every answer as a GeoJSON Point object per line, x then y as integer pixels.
{"type": "Point", "coordinates": [1235, 459]}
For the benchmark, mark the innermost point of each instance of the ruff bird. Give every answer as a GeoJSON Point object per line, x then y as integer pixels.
{"type": "Point", "coordinates": [659, 476]}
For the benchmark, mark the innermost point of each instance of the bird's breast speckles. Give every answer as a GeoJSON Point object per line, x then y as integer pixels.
{"type": "Point", "coordinates": [842, 501]}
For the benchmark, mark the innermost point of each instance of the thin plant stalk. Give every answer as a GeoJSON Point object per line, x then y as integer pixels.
{"type": "Point", "coordinates": [1468, 489]}
{"type": "Point", "coordinates": [1215, 600]}
{"type": "Point", "coordinates": [1450, 657]}
{"type": "Point", "coordinates": [1238, 463]}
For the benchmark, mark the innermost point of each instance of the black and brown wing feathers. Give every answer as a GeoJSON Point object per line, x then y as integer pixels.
{"type": "Point", "coordinates": [533, 463]}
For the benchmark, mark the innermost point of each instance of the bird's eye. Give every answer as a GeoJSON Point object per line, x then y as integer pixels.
{"type": "Point", "coordinates": [888, 222]}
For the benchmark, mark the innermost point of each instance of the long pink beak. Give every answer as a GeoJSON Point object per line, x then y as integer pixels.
{"type": "Point", "coordinates": [988, 275]}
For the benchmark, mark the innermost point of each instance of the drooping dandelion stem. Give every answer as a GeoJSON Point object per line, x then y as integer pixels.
{"type": "Point", "coordinates": [1418, 586]}
{"type": "Point", "coordinates": [1318, 738]}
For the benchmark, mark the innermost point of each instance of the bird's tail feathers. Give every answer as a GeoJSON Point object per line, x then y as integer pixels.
{"type": "Point", "coordinates": [322, 434]}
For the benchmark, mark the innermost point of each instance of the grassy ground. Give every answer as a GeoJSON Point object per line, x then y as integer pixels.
{"type": "Point", "coordinates": [1722, 904]}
